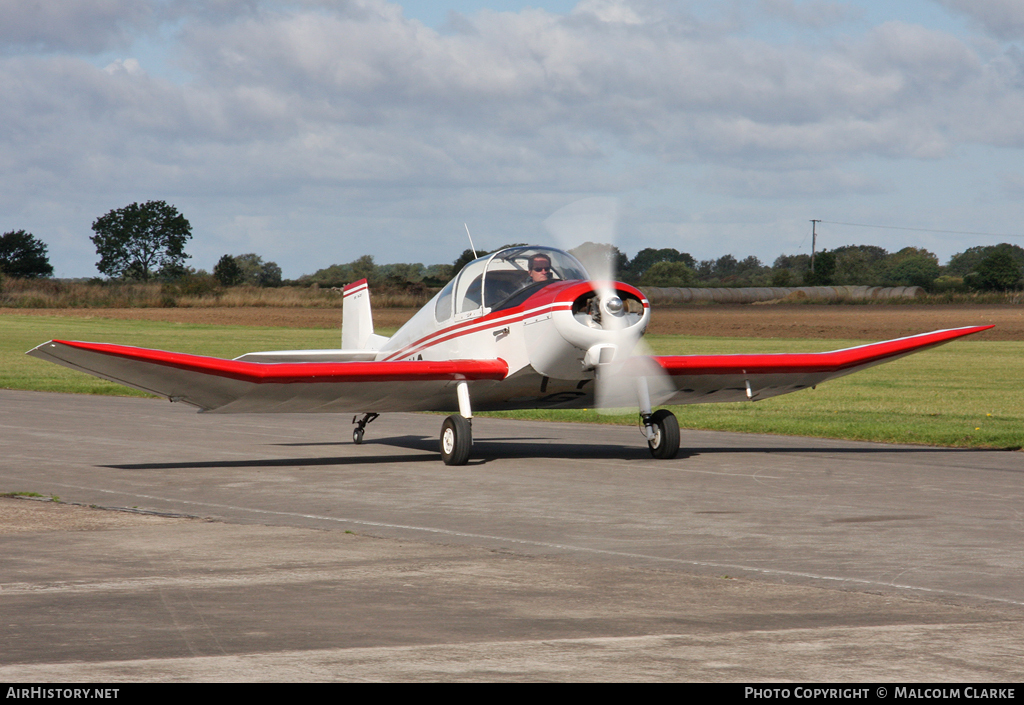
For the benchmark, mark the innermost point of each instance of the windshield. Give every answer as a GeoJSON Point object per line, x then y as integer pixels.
{"type": "Point", "coordinates": [502, 279]}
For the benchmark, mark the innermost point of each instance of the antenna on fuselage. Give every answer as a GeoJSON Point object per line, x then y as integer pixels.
{"type": "Point", "coordinates": [471, 245]}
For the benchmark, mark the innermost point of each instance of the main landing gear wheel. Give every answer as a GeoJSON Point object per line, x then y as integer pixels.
{"type": "Point", "coordinates": [666, 435]}
{"type": "Point", "coordinates": [357, 435]}
{"type": "Point", "coordinates": [456, 440]}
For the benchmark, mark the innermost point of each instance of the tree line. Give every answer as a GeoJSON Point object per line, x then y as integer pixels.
{"type": "Point", "coordinates": [146, 242]}
{"type": "Point", "coordinates": [982, 268]}
{"type": "Point", "coordinates": [140, 242]}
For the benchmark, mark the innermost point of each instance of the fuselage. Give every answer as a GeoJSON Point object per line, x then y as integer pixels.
{"type": "Point", "coordinates": [551, 334]}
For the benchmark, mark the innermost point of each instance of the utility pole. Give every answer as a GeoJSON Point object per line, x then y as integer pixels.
{"type": "Point", "coordinates": [814, 240]}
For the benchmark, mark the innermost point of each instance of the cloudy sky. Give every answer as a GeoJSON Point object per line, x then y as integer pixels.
{"type": "Point", "coordinates": [315, 131]}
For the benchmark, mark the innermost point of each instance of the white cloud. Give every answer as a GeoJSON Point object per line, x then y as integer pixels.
{"type": "Point", "coordinates": [131, 67]}
{"type": "Point", "coordinates": [827, 181]}
{"type": "Point", "coordinates": [611, 11]}
{"type": "Point", "coordinates": [72, 25]}
{"type": "Point", "coordinates": [816, 14]}
{"type": "Point", "coordinates": [1003, 19]}
{"type": "Point", "coordinates": [356, 110]}
{"type": "Point", "coordinates": [1012, 184]}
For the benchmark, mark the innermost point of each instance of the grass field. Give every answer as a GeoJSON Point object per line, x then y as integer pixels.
{"type": "Point", "coordinates": [19, 334]}
{"type": "Point", "coordinates": [962, 394]}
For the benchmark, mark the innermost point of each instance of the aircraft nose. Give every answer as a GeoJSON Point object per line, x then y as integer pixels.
{"type": "Point", "coordinates": [608, 310]}
{"type": "Point", "coordinates": [594, 325]}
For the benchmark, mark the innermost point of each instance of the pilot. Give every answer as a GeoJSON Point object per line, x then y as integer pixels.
{"type": "Point", "coordinates": [540, 269]}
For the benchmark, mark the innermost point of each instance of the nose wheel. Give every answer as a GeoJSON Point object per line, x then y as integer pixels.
{"type": "Point", "coordinates": [456, 440]}
{"type": "Point", "coordinates": [665, 444]}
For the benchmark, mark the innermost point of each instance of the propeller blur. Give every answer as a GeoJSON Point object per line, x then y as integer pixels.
{"type": "Point", "coordinates": [523, 328]}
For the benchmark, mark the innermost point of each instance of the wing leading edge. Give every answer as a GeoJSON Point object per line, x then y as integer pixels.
{"type": "Point", "coordinates": [238, 386]}
{"type": "Point", "coordinates": [723, 378]}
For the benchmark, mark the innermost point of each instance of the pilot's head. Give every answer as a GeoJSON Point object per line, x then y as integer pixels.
{"type": "Point", "coordinates": [540, 268]}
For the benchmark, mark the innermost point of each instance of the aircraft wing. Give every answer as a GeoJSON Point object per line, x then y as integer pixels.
{"type": "Point", "coordinates": [694, 379]}
{"type": "Point", "coordinates": [240, 386]}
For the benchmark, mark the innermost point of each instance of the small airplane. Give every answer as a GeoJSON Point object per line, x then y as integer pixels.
{"type": "Point", "coordinates": [522, 328]}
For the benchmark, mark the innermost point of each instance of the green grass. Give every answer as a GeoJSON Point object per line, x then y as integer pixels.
{"type": "Point", "coordinates": [18, 334]}
{"type": "Point", "coordinates": [962, 394]}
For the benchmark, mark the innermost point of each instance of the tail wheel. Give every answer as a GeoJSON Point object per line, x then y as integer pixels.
{"type": "Point", "coordinates": [360, 429]}
{"type": "Point", "coordinates": [666, 435]}
{"type": "Point", "coordinates": [456, 440]}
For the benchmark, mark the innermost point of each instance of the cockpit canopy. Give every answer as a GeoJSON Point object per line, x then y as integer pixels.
{"type": "Point", "coordinates": [503, 279]}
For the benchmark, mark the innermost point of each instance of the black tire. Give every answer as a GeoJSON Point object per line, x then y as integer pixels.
{"type": "Point", "coordinates": [665, 445]}
{"type": "Point", "coordinates": [357, 435]}
{"type": "Point", "coordinates": [456, 440]}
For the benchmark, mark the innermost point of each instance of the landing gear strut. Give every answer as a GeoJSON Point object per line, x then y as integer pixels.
{"type": "Point", "coordinates": [357, 433]}
{"type": "Point", "coordinates": [661, 428]}
{"type": "Point", "coordinates": [665, 442]}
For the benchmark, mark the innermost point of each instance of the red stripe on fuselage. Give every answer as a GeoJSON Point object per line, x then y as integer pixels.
{"type": "Point", "coordinates": [476, 325]}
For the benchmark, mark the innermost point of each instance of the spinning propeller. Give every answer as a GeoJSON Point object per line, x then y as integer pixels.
{"type": "Point", "coordinates": [626, 375]}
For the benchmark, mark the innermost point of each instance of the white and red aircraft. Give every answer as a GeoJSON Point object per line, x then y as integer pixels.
{"type": "Point", "coordinates": [523, 328]}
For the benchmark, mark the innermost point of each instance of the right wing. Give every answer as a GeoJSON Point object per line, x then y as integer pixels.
{"type": "Point", "coordinates": [240, 386]}
{"type": "Point", "coordinates": [696, 379]}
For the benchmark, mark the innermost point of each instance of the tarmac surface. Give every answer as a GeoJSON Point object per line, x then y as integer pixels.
{"type": "Point", "coordinates": [561, 552]}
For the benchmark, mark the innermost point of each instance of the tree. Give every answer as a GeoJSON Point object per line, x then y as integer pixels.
{"type": "Point", "coordinates": [270, 275]}
{"type": "Point", "coordinates": [999, 271]}
{"type": "Point", "coordinates": [911, 266]}
{"type": "Point", "coordinates": [668, 274]}
{"type": "Point", "coordinates": [648, 257]}
{"type": "Point", "coordinates": [725, 266]}
{"type": "Point", "coordinates": [141, 241]}
{"type": "Point", "coordinates": [227, 271]}
{"type": "Point", "coordinates": [257, 272]}
{"type": "Point", "coordinates": [913, 271]}
{"type": "Point", "coordinates": [22, 255]}
{"type": "Point", "coordinates": [824, 270]}
{"type": "Point", "coordinates": [794, 263]}
{"type": "Point", "coordinates": [968, 264]}
{"type": "Point", "coordinates": [859, 265]}
{"type": "Point", "coordinates": [601, 259]}
{"type": "Point", "coordinates": [782, 277]}
{"type": "Point", "coordinates": [963, 263]}
{"type": "Point", "coordinates": [465, 258]}
{"type": "Point", "coordinates": [364, 268]}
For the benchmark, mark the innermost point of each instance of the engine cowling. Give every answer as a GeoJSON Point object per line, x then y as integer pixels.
{"type": "Point", "coordinates": [589, 325]}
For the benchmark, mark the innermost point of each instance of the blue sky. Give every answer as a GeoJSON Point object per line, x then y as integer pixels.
{"type": "Point", "coordinates": [315, 131]}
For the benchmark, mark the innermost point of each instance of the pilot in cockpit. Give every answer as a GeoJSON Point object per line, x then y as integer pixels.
{"type": "Point", "coordinates": [540, 269]}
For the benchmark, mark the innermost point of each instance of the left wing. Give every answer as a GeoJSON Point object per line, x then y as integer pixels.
{"type": "Point", "coordinates": [240, 386]}
{"type": "Point", "coordinates": [695, 379]}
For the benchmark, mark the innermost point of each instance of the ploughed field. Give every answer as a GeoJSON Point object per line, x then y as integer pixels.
{"type": "Point", "coordinates": [818, 321]}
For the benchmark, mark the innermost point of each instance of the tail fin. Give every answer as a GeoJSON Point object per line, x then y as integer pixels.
{"type": "Point", "coordinates": [357, 320]}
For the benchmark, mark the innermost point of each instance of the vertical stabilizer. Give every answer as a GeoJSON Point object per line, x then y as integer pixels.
{"type": "Point", "coordinates": [356, 319]}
